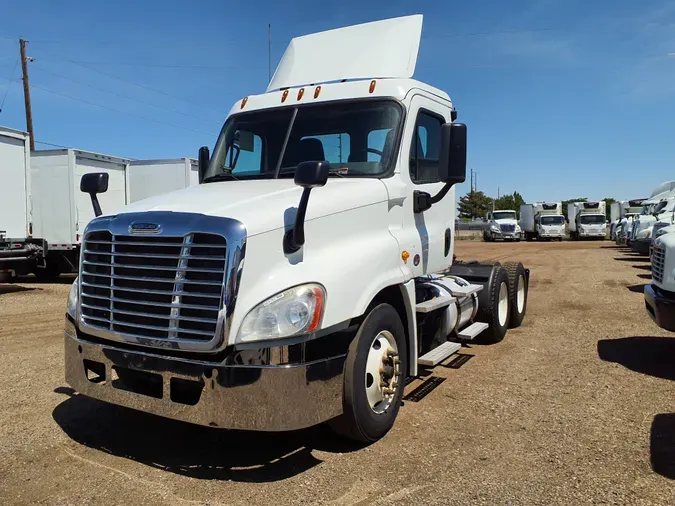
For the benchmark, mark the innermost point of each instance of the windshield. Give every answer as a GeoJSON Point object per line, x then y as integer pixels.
{"type": "Point", "coordinates": [592, 219]}
{"type": "Point", "coordinates": [357, 139]}
{"type": "Point", "coordinates": [504, 215]}
{"type": "Point", "coordinates": [551, 220]}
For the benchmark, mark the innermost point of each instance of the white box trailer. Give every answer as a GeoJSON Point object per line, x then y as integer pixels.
{"type": "Point", "coordinates": [15, 204]}
{"type": "Point", "coordinates": [60, 210]}
{"type": "Point", "coordinates": [147, 178]}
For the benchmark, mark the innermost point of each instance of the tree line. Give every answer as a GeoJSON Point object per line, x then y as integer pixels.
{"type": "Point", "coordinates": [476, 205]}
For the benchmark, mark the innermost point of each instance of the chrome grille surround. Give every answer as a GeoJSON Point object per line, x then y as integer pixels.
{"type": "Point", "coordinates": [658, 262]}
{"type": "Point", "coordinates": [174, 286]}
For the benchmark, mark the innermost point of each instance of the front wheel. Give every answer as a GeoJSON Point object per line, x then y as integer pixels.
{"type": "Point", "coordinates": [374, 373]}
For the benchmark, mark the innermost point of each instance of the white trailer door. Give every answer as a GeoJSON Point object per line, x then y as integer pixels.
{"type": "Point", "coordinates": [15, 187]}
{"type": "Point", "coordinates": [51, 182]}
{"type": "Point", "coordinates": [111, 201]}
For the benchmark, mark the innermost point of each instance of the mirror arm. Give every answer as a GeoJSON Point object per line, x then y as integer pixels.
{"type": "Point", "coordinates": [95, 204]}
{"type": "Point", "coordinates": [295, 237]}
{"type": "Point", "coordinates": [444, 191]}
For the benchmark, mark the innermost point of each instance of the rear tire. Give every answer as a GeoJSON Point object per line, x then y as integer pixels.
{"type": "Point", "coordinates": [518, 289]}
{"type": "Point", "coordinates": [363, 419]}
{"type": "Point", "coordinates": [496, 312]}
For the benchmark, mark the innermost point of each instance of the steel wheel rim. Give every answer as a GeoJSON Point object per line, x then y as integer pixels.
{"type": "Point", "coordinates": [382, 376]}
{"type": "Point", "coordinates": [503, 306]}
{"type": "Point", "coordinates": [521, 294]}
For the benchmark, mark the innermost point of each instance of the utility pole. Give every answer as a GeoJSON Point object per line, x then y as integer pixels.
{"type": "Point", "coordinates": [269, 51]}
{"type": "Point", "coordinates": [471, 184]}
{"type": "Point", "coordinates": [26, 93]}
{"type": "Point", "coordinates": [498, 192]}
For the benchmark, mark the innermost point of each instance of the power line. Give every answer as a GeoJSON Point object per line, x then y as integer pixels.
{"type": "Point", "coordinates": [118, 110]}
{"type": "Point", "coordinates": [143, 86]}
{"type": "Point", "coordinates": [120, 95]}
{"type": "Point", "coordinates": [53, 145]}
{"type": "Point", "coordinates": [163, 65]}
{"type": "Point", "coordinates": [9, 83]}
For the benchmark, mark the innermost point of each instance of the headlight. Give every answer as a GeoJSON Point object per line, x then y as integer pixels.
{"type": "Point", "coordinates": [517, 228]}
{"type": "Point", "coordinates": [296, 311]}
{"type": "Point", "coordinates": [73, 296]}
{"type": "Point", "coordinates": [494, 228]}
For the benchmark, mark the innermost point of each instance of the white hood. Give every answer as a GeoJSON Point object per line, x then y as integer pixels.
{"type": "Point", "coordinates": [506, 221]}
{"type": "Point", "coordinates": [265, 205]}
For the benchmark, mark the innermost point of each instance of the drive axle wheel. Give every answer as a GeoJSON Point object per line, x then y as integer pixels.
{"type": "Point", "coordinates": [518, 289]}
{"type": "Point", "coordinates": [373, 377]}
{"type": "Point", "coordinates": [496, 313]}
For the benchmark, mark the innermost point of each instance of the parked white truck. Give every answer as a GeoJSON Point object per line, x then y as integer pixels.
{"type": "Point", "coordinates": [542, 220]}
{"type": "Point", "coordinates": [660, 293]}
{"type": "Point", "coordinates": [295, 285]}
{"type": "Point", "coordinates": [43, 213]}
{"type": "Point", "coordinates": [652, 207]}
{"type": "Point", "coordinates": [587, 220]}
{"type": "Point", "coordinates": [16, 243]}
{"type": "Point", "coordinates": [502, 225]}
{"type": "Point", "coordinates": [624, 229]}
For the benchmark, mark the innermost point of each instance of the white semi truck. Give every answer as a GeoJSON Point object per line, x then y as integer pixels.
{"type": "Point", "coordinates": [502, 225]}
{"type": "Point", "coordinates": [651, 208]}
{"type": "Point", "coordinates": [542, 220]}
{"type": "Point", "coordinates": [295, 285]}
{"type": "Point", "coordinates": [660, 293]}
{"type": "Point", "coordinates": [587, 220]}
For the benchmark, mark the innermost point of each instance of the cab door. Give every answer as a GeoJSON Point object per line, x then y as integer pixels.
{"type": "Point", "coordinates": [430, 231]}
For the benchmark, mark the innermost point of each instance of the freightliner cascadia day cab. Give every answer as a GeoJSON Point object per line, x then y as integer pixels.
{"type": "Point", "coordinates": [542, 220]}
{"type": "Point", "coordinates": [630, 212]}
{"type": "Point", "coordinates": [311, 272]}
{"type": "Point", "coordinates": [502, 224]}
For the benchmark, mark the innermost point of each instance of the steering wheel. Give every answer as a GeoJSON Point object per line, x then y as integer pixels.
{"type": "Point", "coordinates": [376, 151]}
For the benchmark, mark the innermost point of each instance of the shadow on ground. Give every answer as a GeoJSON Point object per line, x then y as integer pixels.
{"type": "Point", "coordinates": [644, 276]}
{"type": "Point", "coordinates": [643, 267]}
{"type": "Point", "coordinates": [646, 355]}
{"type": "Point", "coordinates": [639, 288]}
{"type": "Point", "coordinates": [63, 279]}
{"type": "Point", "coordinates": [192, 450]}
{"type": "Point", "coordinates": [662, 445]}
{"type": "Point", "coordinates": [5, 289]}
{"type": "Point", "coordinates": [631, 258]}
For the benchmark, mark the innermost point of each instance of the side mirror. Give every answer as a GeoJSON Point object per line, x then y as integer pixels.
{"type": "Point", "coordinates": [452, 163]}
{"type": "Point", "coordinates": [308, 175]}
{"type": "Point", "coordinates": [93, 184]}
{"type": "Point", "coordinates": [203, 162]}
{"type": "Point", "coordinates": [312, 174]}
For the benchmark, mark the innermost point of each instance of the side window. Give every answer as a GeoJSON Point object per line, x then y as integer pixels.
{"type": "Point", "coordinates": [425, 148]}
{"type": "Point", "coordinates": [245, 155]}
{"type": "Point", "coordinates": [336, 147]}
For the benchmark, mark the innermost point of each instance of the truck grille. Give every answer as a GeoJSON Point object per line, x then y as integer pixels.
{"type": "Point", "coordinates": [153, 287]}
{"type": "Point", "coordinates": [507, 228]}
{"type": "Point", "coordinates": [658, 263]}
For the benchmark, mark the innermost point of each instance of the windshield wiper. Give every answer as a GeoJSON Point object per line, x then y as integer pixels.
{"type": "Point", "coordinates": [223, 176]}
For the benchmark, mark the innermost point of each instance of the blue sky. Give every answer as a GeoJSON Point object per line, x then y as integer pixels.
{"type": "Point", "coordinates": [562, 98]}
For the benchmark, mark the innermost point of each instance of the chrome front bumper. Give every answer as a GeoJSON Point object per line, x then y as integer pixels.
{"type": "Point", "coordinates": [268, 398]}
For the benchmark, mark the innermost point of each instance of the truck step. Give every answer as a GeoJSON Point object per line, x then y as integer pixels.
{"type": "Point", "coordinates": [438, 354]}
{"type": "Point", "coordinates": [436, 303]}
{"type": "Point", "coordinates": [465, 291]}
{"type": "Point", "coordinates": [472, 330]}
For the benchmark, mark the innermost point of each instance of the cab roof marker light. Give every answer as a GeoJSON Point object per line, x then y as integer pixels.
{"type": "Point", "coordinates": [284, 96]}
{"type": "Point", "coordinates": [317, 91]}
{"type": "Point", "coordinates": [243, 102]}
{"type": "Point", "coordinates": [372, 86]}
{"type": "Point", "coordinates": [301, 92]}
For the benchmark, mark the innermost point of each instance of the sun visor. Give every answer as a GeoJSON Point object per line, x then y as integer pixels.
{"type": "Point", "coordinates": [381, 49]}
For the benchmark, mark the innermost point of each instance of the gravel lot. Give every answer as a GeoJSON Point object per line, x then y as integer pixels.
{"type": "Point", "coordinates": [575, 407]}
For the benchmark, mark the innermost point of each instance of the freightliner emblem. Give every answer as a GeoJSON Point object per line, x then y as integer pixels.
{"type": "Point", "coordinates": [144, 228]}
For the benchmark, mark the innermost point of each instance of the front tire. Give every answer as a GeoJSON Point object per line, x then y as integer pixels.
{"type": "Point", "coordinates": [374, 373]}
{"type": "Point", "coordinates": [496, 313]}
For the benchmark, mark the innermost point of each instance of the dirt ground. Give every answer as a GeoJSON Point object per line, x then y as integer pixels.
{"type": "Point", "coordinates": [575, 407]}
